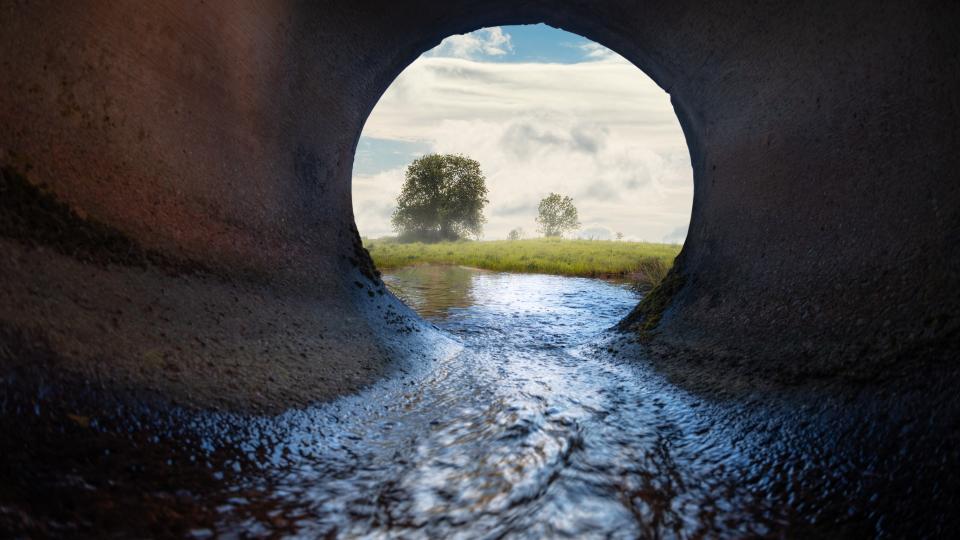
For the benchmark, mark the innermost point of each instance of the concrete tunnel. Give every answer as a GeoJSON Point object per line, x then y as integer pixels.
{"type": "Point", "coordinates": [176, 214]}
{"type": "Point", "coordinates": [176, 188]}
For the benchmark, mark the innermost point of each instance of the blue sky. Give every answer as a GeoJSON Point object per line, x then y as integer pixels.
{"type": "Point", "coordinates": [542, 43]}
{"type": "Point", "coordinates": [542, 110]}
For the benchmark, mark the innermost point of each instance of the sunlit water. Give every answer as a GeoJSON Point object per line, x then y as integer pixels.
{"type": "Point", "coordinates": [531, 430]}
{"type": "Point", "coordinates": [521, 434]}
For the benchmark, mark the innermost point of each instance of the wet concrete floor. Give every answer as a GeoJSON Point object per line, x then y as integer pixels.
{"type": "Point", "coordinates": [531, 430]}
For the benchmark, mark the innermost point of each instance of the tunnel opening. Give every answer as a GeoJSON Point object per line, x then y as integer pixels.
{"type": "Point", "coordinates": [178, 235]}
{"type": "Point", "coordinates": [242, 164]}
{"type": "Point", "coordinates": [541, 111]}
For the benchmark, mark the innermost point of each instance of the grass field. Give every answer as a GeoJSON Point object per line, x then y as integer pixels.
{"type": "Point", "coordinates": [643, 262]}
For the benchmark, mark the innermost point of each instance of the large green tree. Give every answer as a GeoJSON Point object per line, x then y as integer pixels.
{"type": "Point", "coordinates": [557, 215]}
{"type": "Point", "coordinates": [442, 198]}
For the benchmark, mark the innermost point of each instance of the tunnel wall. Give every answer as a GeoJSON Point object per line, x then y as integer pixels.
{"type": "Point", "coordinates": [216, 141]}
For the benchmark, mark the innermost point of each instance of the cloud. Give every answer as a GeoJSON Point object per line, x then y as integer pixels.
{"type": "Point", "coordinates": [599, 131]}
{"type": "Point", "coordinates": [635, 181]}
{"type": "Point", "coordinates": [614, 96]}
{"type": "Point", "coordinates": [486, 42]}
{"type": "Point", "coordinates": [600, 191]}
{"type": "Point", "coordinates": [523, 139]}
{"type": "Point", "coordinates": [588, 139]}
{"type": "Point", "coordinates": [518, 209]}
{"type": "Point", "coordinates": [595, 51]}
{"type": "Point", "coordinates": [676, 236]}
{"type": "Point", "coordinates": [374, 199]}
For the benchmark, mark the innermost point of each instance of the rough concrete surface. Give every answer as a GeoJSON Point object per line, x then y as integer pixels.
{"type": "Point", "coordinates": [823, 139]}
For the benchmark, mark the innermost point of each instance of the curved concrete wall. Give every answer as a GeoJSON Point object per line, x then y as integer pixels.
{"type": "Point", "coordinates": [215, 142]}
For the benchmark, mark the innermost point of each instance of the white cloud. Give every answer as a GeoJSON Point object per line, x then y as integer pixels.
{"type": "Point", "coordinates": [374, 199]}
{"type": "Point", "coordinates": [599, 131]}
{"type": "Point", "coordinates": [485, 42]}
{"type": "Point", "coordinates": [595, 51]}
{"type": "Point", "coordinates": [676, 236]}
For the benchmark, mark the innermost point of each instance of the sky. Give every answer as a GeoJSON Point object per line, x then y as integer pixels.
{"type": "Point", "coordinates": [543, 111]}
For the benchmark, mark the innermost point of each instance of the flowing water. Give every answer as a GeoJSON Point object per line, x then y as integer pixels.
{"type": "Point", "coordinates": [521, 434]}
{"type": "Point", "coordinates": [529, 431]}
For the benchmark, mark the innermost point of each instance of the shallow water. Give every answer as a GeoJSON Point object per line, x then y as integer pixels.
{"type": "Point", "coordinates": [531, 430]}
{"type": "Point", "coordinates": [520, 434]}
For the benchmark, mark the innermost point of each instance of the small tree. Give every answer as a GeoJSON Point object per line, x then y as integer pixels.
{"type": "Point", "coordinates": [557, 215]}
{"type": "Point", "coordinates": [515, 234]}
{"type": "Point", "coordinates": [619, 236]}
{"type": "Point", "coordinates": [442, 199]}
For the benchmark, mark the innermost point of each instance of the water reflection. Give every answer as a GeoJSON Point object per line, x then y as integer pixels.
{"type": "Point", "coordinates": [432, 290]}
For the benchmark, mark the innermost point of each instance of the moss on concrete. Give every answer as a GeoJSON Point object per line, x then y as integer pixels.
{"type": "Point", "coordinates": [361, 259]}
{"type": "Point", "coordinates": [645, 318]}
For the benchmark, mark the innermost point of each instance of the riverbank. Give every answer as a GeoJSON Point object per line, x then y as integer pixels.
{"type": "Point", "coordinates": [643, 262]}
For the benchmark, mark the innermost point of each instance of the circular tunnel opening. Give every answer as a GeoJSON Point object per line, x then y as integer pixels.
{"type": "Point", "coordinates": [542, 111]}
{"type": "Point", "coordinates": [178, 235]}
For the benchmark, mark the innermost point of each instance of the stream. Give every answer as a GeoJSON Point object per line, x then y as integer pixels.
{"type": "Point", "coordinates": [530, 430]}
{"type": "Point", "coordinates": [522, 434]}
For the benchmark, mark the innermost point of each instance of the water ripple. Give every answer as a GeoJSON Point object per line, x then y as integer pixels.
{"type": "Point", "coordinates": [527, 432]}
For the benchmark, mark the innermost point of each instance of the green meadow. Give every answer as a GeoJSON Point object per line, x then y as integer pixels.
{"type": "Point", "coordinates": [645, 263]}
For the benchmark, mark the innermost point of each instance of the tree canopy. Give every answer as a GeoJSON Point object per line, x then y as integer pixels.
{"type": "Point", "coordinates": [557, 215]}
{"type": "Point", "coordinates": [442, 198]}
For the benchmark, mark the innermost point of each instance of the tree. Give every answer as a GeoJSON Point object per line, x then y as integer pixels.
{"type": "Point", "coordinates": [619, 236]}
{"type": "Point", "coordinates": [442, 198]}
{"type": "Point", "coordinates": [515, 234]}
{"type": "Point", "coordinates": [557, 215]}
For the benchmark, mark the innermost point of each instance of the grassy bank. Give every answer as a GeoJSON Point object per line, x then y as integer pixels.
{"type": "Point", "coordinates": [643, 262]}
